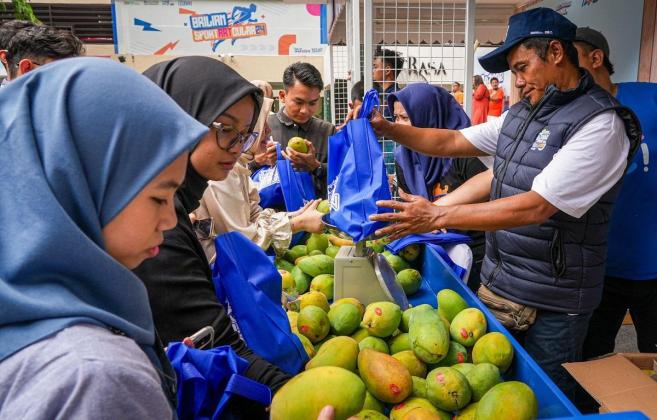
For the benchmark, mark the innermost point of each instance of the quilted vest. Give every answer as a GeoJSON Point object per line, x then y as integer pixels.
{"type": "Point", "coordinates": [557, 265]}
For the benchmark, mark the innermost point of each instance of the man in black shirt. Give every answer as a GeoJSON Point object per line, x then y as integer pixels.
{"type": "Point", "coordinates": [300, 99]}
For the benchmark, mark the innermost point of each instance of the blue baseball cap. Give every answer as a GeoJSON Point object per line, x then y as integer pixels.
{"type": "Point", "coordinates": [534, 23]}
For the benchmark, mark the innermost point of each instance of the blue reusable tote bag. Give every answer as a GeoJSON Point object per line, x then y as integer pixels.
{"type": "Point", "coordinates": [297, 186]}
{"type": "Point", "coordinates": [357, 175]}
{"type": "Point", "coordinates": [268, 183]}
{"type": "Point", "coordinates": [207, 379]}
{"type": "Point", "coordinates": [248, 284]}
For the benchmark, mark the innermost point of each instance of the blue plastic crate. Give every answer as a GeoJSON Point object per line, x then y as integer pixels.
{"type": "Point", "coordinates": [552, 403]}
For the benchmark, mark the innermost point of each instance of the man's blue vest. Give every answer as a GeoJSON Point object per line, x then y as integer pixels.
{"type": "Point", "coordinates": [557, 265]}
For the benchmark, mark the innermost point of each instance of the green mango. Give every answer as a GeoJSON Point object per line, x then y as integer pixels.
{"type": "Point", "coordinates": [464, 368]}
{"type": "Point", "coordinates": [507, 400]}
{"type": "Point", "coordinates": [468, 413]}
{"type": "Point", "coordinates": [370, 415]}
{"type": "Point", "coordinates": [455, 355]}
{"type": "Point", "coordinates": [295, 252]}
{"type": "Point", "coordinates": [372, 403]}
{"type": "Point", "coordinates": [282, 264]}
{"type": "Point", "coordinates": [482, 378]}
{"type": "Point", "coordinates": [419, 387]}
{"type": "Point", "coordinates": [396, 262]}
{"type": "Point", "coordinates": [493, 348]}
{"type": "Point", "coordinates": [360, 334]}
{"type": "Point", "coordinates": [448, 389]}
{"type": "Point", "coordinates": [381, 318]}
{"type": "Point", "coordinates": [399, 343]}
{"type": "Point", "coordinates": [468, 326]}
{"type": "Point", "coordinates": [344, 318]}
{"type": "Point", "coordinates": [401, 411]}
{"type": "Point", "coordinates": [307, 345]}
{"type": "Point", "coordinates": [316, 265]}
{"type": "Point", "coordinates": [313, 323]}
{"type": "Point", "coordinates": [305, 395]}
{"type": "Point", "coordinates": [317, 242]}
{"type": "Point", "coordinates": [374, 343]}
{"type": "Point", "coordinates": [415, 366]}
{"type": "Point", "coordinates": [301, 280]}
{"type": "Point", "coordinates": [315, 252]}
{"type": "Point", "coordinates": [332, 251]}
{"type": "Point", "coordinates": [410, 280]}
{"type": "Point", "coordinates": [411, 252]}
{"type": "Point", "coordinates": [319, 344]}
{"type": "Point", "coordinates": [406, 316]}
{"type": "Point", "coordinates": [323, 283]}
{"type": "Point", "coordinates": [450, 303]}
{"type": "Point", "coordinates": [324, 207]}
{"type": "Point", "coordinates": [313, 298]}
{"type": "Point", "coordinates": [352, 301]}
{"type": "Point", "coordinates": [429, 337]}
{"type": "Point", "coordinates": [339, 351]}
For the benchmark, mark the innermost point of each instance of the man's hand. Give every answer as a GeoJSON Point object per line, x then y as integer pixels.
{"type": "Point", "coordinates": [268, 157]}
{"type": "Point", "coordinates": [304, 162]}
{"type": "Point", "coordinates": [380, 125]}
{"type": "Point", "coordinates": [415, 215]}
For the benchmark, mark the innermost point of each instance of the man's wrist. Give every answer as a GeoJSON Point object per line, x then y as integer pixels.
{"type": "Point", "coordinates": [316, 167]}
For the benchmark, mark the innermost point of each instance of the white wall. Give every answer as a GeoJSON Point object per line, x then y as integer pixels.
{"type": "Point", "coordinates": [619, 20]}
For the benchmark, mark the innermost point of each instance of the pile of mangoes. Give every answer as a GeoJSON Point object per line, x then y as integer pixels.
{"type": "Point", "coordinates": [377, 361]}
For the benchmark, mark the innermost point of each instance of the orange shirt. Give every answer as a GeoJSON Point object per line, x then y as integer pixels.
{"type": "Point", "coordinates": [458, 96]}
{"type": "Point", "coordinates": [496, 102]}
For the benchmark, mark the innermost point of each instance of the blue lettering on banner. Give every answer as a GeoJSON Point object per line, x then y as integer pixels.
{"type": "Point", "coordinates": [210, 21]}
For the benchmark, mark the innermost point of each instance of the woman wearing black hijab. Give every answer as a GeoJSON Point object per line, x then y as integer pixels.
{"type": "Point", "coordinates": [179, 280]}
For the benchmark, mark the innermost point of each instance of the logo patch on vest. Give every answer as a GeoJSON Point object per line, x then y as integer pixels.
{"type": "Point", "coordinates": [541, 140]}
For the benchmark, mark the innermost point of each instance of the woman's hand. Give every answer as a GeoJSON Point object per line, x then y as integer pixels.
{"type": "Point", "coordinates": [415, 215]}
{"type": "Point", "coordinates": [307, 218]}
{"type": "Point", "coordinates": [328, 413]}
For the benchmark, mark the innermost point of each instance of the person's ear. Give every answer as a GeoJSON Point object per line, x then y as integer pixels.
{"type": "Point", "coordinates": [556, 52]}
{"type": "Point", "coordinates": [281, 95]}
{"type": "Point", "coordinates": [26, 65]}
{"type": "Point", "coordinates": [597, 58]}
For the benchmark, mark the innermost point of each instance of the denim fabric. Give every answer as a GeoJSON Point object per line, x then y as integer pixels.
{"type": "Point", "coordinates": [557, 338]}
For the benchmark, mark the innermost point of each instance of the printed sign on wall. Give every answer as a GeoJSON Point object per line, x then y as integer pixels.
{"type": "Point", "coordinates": [218, 27]}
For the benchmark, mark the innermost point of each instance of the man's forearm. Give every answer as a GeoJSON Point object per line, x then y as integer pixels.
{"type": "Point", "coordinates": [523, 209]}
{"type": "Point", "coordinates": [474, 190]}
{"type": "Point", "coordinates": [433, 141]}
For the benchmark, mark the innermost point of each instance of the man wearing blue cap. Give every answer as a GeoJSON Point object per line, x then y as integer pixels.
{"type": "Point", "coordinates": [559, 156]}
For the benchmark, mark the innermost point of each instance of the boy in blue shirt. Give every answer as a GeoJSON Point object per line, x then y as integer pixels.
{"type": "Point", "coordinates": [631, 274]}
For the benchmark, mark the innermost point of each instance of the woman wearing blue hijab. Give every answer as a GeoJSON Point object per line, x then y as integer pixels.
{"type": "Point", "coordinates": [426, 106]}
{"type": "Point", "coordinates": [91, 154]}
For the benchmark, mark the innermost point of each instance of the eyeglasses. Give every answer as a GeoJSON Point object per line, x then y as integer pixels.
{"type": "Point", "coordinates": [225, 140]}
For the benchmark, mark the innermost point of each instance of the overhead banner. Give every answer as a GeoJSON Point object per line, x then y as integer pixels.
{"type": "Point", "coordinates": [149, 27]}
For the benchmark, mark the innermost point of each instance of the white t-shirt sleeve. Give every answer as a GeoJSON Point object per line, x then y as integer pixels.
{"type": "Point", "coordinates": [588, 166]}
{"type": "Point", "coordinates": [484, 136]}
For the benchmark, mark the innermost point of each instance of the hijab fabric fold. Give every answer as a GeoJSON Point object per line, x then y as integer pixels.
{"type": "Point", "coordinates": [205, 88]}
{"type": "Point", "coordinates": [427, 106]}
{"type": "Point", "coordinates": [80, 138]}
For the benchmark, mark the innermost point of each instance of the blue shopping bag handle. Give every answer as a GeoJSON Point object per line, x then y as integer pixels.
{"type": "Point", "coordinates": [244, 387]}
{"type": "Point", "coordinates": [370, 101]}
